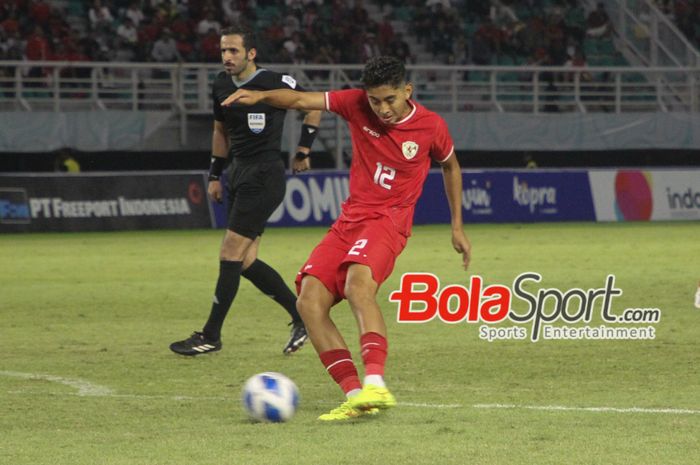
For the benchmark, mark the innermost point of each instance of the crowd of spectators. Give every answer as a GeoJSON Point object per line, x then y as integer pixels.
{"type": "Point", "coordinates": [290, 31]}
{"type": "Point", "coordinates": [543, 32]}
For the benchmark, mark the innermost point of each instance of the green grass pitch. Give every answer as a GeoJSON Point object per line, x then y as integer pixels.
{"type": "Point", "coordinates": [86, 376]}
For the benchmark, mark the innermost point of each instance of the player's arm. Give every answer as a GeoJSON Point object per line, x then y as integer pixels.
{"type": "Point", "coordinates": [309, 130]}
{"type": "Point", "coordinates": [452, 175]}
{"type": "Point", "coordinates": [219, 154]}
{"type": "Point", "coordinates": [280, 98]}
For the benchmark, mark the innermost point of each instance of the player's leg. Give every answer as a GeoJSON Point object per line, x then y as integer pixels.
{"type": "Point", "coordinates": [361, 290]}
{"type": "Point", "coordinates": [234, 248]}
{"type": "Point", "coordinates": [249, 209]}
{"type": "Point", "coordinates": [270, 283]}
{"type": "Point", "coordinates": [314, 303]}
{"type": "Point", "coordinates": [369, 263]}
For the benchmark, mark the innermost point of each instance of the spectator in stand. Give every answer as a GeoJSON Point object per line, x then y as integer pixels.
{"type": "Point", "coordinates": [400, 49]}
{"type": "Point", "coordinates": [274, 33]}
{"type": "Point", "coordinates": [57, 25]}
{"type": "Point", "coordinates": [598, 22]}
{"type": "Point", "coordinates": [209, 47]}
{"type": "Point", "coordinates": [441, 44]}
{"type": "Point", "coordinates": [10, 45]}
{"type": "Point", "coordinates": [369, 48]}
{"type": "Point", "coordinates": [128, 33]}
{"type": "Point", "coordinates": [231, 11]}
{"type": "Point", "coordinates": [100, 16]}
{"type": "Point", "coordinates": [308, 19]}
{"type": "Point", "coordinates": [39, 13]}
{"type": "Point", "coordinates": [290, 25]}
{"type": "Point", "coordinates": [385, 33]}
{"type": "Point", "coordinates": [555, 37]}
{"type": "Point", "coordinates": [94, 47]}
{"type": "Point", "coordinates": [11, 23]}
{"type": "Point", "coordinates": [165, 48]}
{"type": "Point", "coordinates": [295, 7]}
{"type": "Point", "coordinates": [577, 60]}
{"type": "Point", "coordinates": [503, 15]}
{"type": "Point", "coordinates": [134, 13]}
{"type": "Point", "coordinates": [490, 34]}
{"type": "Point", "coordinates": [575, 20]}
{"type": "Point", "coordinates": [167, 9]}
{"type": "Point", "coordinates": [187, 49]}
{"type": "Point", "coordinates": [37, 47]}
{"type": "Point", "coordinates": [207, 23]}
{"type": "Point", "coordinates": [295, 47]}
{"type": "Point", "coordinates": [359, 14]}
{"type": "Point", "coordinates": [481, 50]}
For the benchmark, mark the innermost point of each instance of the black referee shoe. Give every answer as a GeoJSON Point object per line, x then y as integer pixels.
{"type": "Point", "coordinates": [297, 337]}
{"type": "Point", "coordinates": [195, 345]}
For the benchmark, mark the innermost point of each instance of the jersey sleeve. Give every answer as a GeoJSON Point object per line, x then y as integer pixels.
{"type": "Point", "coordinates": [216, 105]}
{"type": "Point", "coordinates": [443, 146]}
{"type": "Point", "coordinates": [344, 102]}
{"type": "Point", "coordinates": [285, 81]}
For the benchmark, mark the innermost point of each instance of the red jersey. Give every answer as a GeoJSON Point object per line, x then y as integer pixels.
{"type": "Point", "coordinates": [390, 162]}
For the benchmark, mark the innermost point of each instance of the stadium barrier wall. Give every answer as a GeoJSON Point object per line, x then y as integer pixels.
{"type": "Point", "coordinates": [495, 196]}
{"type": "Point", "coordinates": [502, 196]}
{"type": "Point", "coordinates": [106, 201]}
{"type": "Point", "coordinates": [113, 130]}
{"type": "Point", "coordinates": [646, 195]}
{"type": "Point", "coordinates": [159, 200]}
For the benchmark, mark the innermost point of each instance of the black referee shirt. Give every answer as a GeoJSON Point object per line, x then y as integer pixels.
{"type": "Point", "coordinates": [254, 131]}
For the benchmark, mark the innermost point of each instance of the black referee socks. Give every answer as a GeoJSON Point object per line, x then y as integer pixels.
{"type": "Point", "coordinates": [226, 289]}
{"type": "Point", "coordinates": [270, 283]}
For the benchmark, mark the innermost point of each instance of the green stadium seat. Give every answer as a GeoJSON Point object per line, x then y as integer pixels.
{"type": "Point", "coordinates": [606, 47]}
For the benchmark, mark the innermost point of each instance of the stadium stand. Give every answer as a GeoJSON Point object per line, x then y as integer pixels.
{"type": "Point", "coordinates": [295, 31]}
{"type": "Point", "coordinates": [521, 56]}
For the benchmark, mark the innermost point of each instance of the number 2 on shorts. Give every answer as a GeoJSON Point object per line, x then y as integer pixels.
{"type": "Point", "coordinates": [359, 244]}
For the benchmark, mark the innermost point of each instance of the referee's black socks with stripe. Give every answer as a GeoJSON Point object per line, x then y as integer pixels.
{"type": "Point", "coordinates": [226, 289]}
{"type": "Point", "coordinates": [270, 283]}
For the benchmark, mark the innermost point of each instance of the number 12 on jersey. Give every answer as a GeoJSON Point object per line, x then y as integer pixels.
{"type": "Point", "coordinates": [383, 175]}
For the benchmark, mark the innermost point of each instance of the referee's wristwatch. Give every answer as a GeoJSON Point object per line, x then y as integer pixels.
{"type": "Point", "coordinates": [301, 155]}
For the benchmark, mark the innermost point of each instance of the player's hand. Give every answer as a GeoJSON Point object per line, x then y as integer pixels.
{"type": "Point", "coordinates": [301, 164]}
{"type": "Point", "coordinates": [242, 96]}
{"type": "Point", "coordinates": [216, 191]}
{"type": "Point", "coordinates": [462, 245]}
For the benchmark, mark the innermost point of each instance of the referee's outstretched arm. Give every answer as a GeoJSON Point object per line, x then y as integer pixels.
{"type": "Point", "coordinates": [280, 98]}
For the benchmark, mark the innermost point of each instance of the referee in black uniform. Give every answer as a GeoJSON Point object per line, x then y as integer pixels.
{"type": "Point", "coordinates": [251, 136]}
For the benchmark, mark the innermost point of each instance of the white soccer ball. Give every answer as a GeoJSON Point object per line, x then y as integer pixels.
{"type": "Point", "coordinates": [270, 397]}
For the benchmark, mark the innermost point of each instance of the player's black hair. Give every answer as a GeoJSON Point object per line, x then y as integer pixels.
{"type": "Point", "coordinates": [383, 70]}
{"type": "Point", "coordinates": [249, 37]}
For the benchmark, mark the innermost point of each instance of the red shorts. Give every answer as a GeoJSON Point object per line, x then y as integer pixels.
{"type": "Point", "coordinates": [374, 242]}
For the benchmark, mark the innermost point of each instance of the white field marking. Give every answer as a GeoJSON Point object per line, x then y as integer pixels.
{"type": "Point", "coordinates": [85, 388]}
{"type": "Point", "coordinates": [421, 405]}
{"type": "Point", "coordinates": [672, 411]}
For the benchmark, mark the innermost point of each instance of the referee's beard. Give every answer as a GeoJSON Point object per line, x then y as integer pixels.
{"type": "Point", "coordinates": [236, 71]}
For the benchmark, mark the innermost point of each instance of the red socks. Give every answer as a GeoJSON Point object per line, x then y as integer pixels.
{"type": "Point", "coordinates": [374, 347]}
{"type": "Point", "coordinates": [340, 366]}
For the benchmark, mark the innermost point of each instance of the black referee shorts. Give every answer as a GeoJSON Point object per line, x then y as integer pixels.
{"type": "Point", "coordinates": [255, 191]}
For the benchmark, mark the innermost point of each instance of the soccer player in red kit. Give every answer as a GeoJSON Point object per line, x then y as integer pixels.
{"type": "Point", "coordinates": [394, 140]}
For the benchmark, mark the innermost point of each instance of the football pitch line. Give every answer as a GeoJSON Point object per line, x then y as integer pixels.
{"type": "Point", "coordinates": [562, 408]}
{"type": "Point", "coordinates": [87, 389]}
